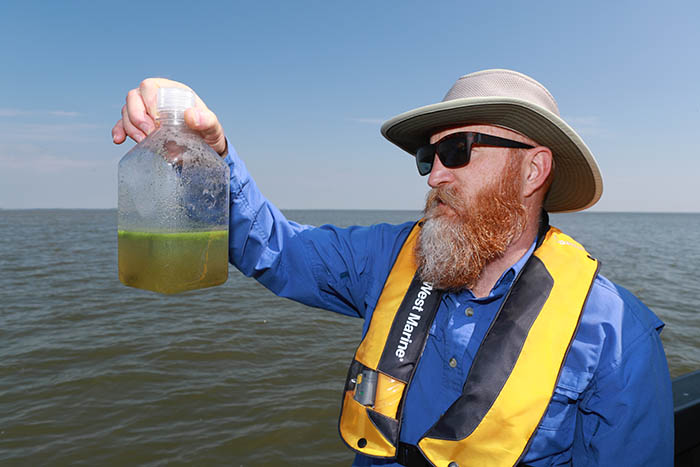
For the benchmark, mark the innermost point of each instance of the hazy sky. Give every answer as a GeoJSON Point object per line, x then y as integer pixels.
{"type": "Point", "coordinates": [303, 86]}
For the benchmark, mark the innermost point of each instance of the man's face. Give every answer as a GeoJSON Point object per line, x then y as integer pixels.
{"type": "Point", "coordinates": [473, 213]}
{"type": "Point", "coordinates": [486, 164]}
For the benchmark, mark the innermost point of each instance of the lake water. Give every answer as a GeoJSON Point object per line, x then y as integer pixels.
{"type": "Point", "coordinates": [95, 373]}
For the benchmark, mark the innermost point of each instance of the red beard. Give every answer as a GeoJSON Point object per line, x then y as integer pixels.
{"type": "Point", "coordinates": [460, 236]}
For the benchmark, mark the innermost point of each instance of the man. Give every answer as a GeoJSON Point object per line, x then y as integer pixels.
{"type": "Point", "coordinates": [489, 337]}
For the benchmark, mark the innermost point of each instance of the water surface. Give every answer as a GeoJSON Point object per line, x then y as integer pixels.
{"type": "Point", "coordinates": [95, 373]}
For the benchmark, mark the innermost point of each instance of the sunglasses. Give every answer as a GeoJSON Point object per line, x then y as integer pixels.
{"type": "Point", "coordinates": [455, 150]}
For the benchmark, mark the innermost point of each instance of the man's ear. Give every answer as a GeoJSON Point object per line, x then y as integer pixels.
{"type": "Point", "coordinates": [538, 167]}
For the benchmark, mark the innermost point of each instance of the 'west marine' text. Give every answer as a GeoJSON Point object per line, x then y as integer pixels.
{"type": "Point", "coordinates": [412, 320]}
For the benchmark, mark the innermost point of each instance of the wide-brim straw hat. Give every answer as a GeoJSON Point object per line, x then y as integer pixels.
{"type": "Point", "coordinates": [515, 101]}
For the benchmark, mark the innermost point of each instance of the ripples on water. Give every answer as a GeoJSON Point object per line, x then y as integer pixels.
{"type": "Point", "coordinates": [95, 373]}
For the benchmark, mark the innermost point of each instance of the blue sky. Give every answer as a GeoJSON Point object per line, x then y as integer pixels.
{"type": "Point", "coordinates": [302, 88]}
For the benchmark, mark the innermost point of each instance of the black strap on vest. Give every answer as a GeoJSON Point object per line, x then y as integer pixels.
{"type": "Point", "coordinates": [410, 328]}
{"type": "Point", "coordinates": [542, 228]}
{"type": "Point", "coordinates": [410, 456]}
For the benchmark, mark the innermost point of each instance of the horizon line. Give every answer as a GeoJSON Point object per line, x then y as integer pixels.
{"type": "Point", "coordinates": [592, 211]}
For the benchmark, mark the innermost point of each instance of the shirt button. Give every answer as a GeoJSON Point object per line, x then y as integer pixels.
{"type": "Point", "coordinates": [469, 311]}
{"type": "Point", "coordinates": [453, 362]}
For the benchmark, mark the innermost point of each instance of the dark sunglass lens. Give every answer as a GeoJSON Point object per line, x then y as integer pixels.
{"type": "Point", "coordinates": [424, 159]}
{"type": "Point", "coordinates": [454, 152]}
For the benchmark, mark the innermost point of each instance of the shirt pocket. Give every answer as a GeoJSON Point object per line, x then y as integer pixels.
{"type": "Point", "coordinates": [561, 412]}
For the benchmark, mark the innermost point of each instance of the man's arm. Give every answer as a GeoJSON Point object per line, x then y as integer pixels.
{"type": "Point", "coordinates": [325, 267]}
{"type": "Point", "coordinates": [626, 415]}
{"type": "Point", "coordinates": [339, 269]}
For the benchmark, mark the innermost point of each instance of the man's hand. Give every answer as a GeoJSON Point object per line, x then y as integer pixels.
{"type": "Point", "coordinates": [140, 111]}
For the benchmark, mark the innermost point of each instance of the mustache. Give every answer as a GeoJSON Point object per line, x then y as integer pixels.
{"type": "Point", "coordinates": [447, 195]}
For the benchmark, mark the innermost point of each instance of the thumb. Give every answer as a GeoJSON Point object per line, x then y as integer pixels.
{"type": "Point", "coordinates": [207, 124]}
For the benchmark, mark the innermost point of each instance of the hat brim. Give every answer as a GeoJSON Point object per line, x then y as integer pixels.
{"type": "Point", "coordinates": [577, 182]}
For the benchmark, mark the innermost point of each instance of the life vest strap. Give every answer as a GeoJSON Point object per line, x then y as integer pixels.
{"type": "Point", "coordinates": [410, 456]}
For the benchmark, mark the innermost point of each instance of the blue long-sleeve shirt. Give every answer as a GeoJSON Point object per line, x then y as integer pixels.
{"type": "Point", "coordinates": [612, 404]}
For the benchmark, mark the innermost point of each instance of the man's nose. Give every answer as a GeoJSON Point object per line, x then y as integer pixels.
{"type": "Point", "coordinates": [440, 174]}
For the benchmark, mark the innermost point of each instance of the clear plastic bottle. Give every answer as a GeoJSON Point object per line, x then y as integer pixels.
{"type": "Point", "coordinates": [173, 206]}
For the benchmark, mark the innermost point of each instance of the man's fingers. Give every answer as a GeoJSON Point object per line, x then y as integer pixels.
{"type": "Point", "coordinates": [205, 122]}
{"type": "Point", "coordinates": [138, 113]}
{"type": "Point", "coordinates": [200, 119]}
{"type": "Point", "coordinates": [210, 127]}
{"type": "Point", "coordinates": [148, 91]}
{"type": "Point", "coordinates": [141, 111]}
{"type": "Point", "coordinates": [133, 132]}
{"type": "Point", "coordinates": [118, 133]}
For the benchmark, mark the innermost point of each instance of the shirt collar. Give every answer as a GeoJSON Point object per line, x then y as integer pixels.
{"type": "Point", "coordinates": [506, 280]}
{"type": "Point", "coordinates": [514, 270]}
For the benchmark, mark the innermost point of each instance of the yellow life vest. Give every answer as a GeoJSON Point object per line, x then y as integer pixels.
{"type": "Point", "coordinates": [512, 377]}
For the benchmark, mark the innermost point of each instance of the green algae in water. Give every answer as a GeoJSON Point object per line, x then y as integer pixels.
{"type": "Point", "coordinates": [173, 262]}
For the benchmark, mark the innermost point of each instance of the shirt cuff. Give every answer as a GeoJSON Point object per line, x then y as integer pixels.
{"type": "Point", "coordinates": [238, 172]}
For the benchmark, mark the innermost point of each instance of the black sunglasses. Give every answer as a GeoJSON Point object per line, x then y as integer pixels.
{"type": "Point", "coordinates": [455, 150]}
